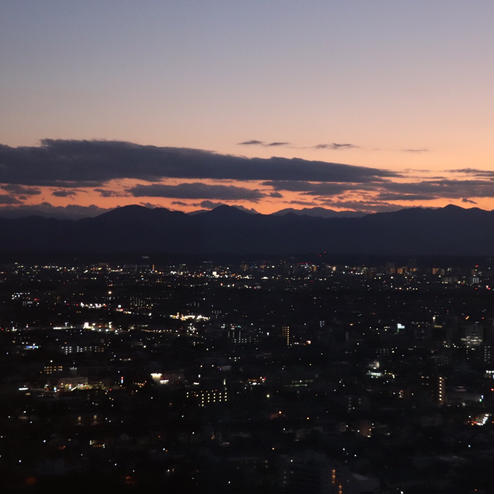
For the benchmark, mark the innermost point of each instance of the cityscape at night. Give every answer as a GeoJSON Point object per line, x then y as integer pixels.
{"type": "Point", "coordinates": [268, 376]}
{"type": "Point", "coordinates": [246, 247]}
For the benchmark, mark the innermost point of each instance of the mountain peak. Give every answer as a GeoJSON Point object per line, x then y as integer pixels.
{"type": "Point", "coordinates": [227, 211]}
{"type": "Point", "coordinates": [125, 211]}
{"type": "Point", "coordinates": [318, 212]}
{"type": "Point", "coordinates": [135, 212]}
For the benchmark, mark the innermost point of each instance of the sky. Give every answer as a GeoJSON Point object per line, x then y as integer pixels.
{"type": "Point", "coordinates": [349, 105]}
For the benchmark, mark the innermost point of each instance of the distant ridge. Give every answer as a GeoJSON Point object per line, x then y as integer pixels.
{"type": "Point", "coordinates": [450, 230]}
{"type": "Point", "coordinates": [321, 213]}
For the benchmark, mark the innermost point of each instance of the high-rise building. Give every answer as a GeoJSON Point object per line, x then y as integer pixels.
{"type": "Point", "coordinates": [474, 335]}
{"type": "Point", "coordinates": [285, 334]}
{"type": "Point", "coordinates": [208, 396]}
{"type": "Point", "coordinates": [441, 390]}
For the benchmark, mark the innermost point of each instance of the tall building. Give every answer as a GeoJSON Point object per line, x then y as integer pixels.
{"type": "Point", "coordinates": [440, 390]}
{"type": "Point", "coordinates": [474, 335]}
{"type": "Point", "coordinates": [207, 396]}
{"type": "Point", "coordinates": [285, 334]}
{"type": "Point", "coordinates": [488, 344]}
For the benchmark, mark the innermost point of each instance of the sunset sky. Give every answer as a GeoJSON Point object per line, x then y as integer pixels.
{"type": "Point", "coordinates": [349, 105]}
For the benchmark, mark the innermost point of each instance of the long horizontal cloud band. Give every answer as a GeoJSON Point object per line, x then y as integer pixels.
{"type": "Point", "coordinates": [388, 190]}
{"type": "Point", "coordinates": [196, 191]}
{"type": "Point", "coordinates": [442, 188]}
{"type": "Point", "coordinates": [70, 166]}
{"type": "Point", "coordinates": [92, 163]}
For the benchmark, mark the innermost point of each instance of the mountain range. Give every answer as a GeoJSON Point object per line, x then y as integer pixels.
{"type": "Point", "coordinates": [321, 213]}
{"type": "Point", "coordinates": [226, 229]}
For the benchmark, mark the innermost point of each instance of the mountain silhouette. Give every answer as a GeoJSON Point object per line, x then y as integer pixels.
{"type": "Point", "coordinates": [226, 229]}
{"type": "Point", "coordinates": [320, 213]}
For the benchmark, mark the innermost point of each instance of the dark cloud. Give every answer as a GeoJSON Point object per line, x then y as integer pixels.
{"type": "Point", "coordinates": [392, 191]}
{"type": "Point", "coordinates": [108, 193]}
{"type": "Point", "coordinates": [393, 196]}
{"type": "Point", "coordinates": [252, 142]}
{"type": "Point", "coordinates": [67, 163]}
{"type": "Point", "coordinates": [311, 188]}
{"type": "Point", "coordinates": [212, 205]}
{"type": "Point", "coordinates": [64, 193]}
{"type": "Point", "coordinates": [444, 188]}
{"type": "Point", "coordinates": [181, 203]}
{"type": "Point", "coordinates": [468, 201]}
{"type": "Point", "coordinates": [475, 172]}
{"type": "Point", "coordinates": [415, 150]}
{"type": "Point", "coordinates": [47, 210]}
{"type": "Point", "coordinates": [150, 205]}
{"type": "Point", "coordinates": [336, 146]}
{"type": "Point", "coordinates": [197, 191]}
{"type": "Point", "coordinates": [208, 204]}
{"type": "Point", "coordinates": [364, 206]}
{"type": "Point", "coordinates": [302, 203]}
{"type": "Point", "coordinates": [20, 189]}
{"type": "Point", "coordinates": [8, 199]}
{"type": "Point", "coordinates": [255, 142]}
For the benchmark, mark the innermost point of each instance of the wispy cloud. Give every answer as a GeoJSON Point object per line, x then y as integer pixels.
{"type": "Point", "coordinates": [64, 193]}
{"type": "Point", "coordinates": [387, 190]}
{"type": "Point", "coordinates": [21, 190]}
{"type": "Point", "coordinates": [109, 193]}
{"type": "Point", "coordinates": [301, 203]}
{"type": "Point", "coordinates": [443, 188]}
{"type": "Point", "coordinates": [311, 188]}
{"type": "Point", "coordinates": [474, 172]}
{"type": "Point", "coordinates": [255, 142]}
{"type": "Point", "coordinates": [48, 210]}
{"type": "Point", "coordinates": [251, 142]}
{"type": "Point", "coordinates": [336, 146]}
{"type": "Point", "coordinates": [212, 205]}
{"type": "Point", "coordinates": [9, 199]}
{"type": "Point", "coordinates": [273, 144]}
{"type": "Point", "coordinates": [363, 206]}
